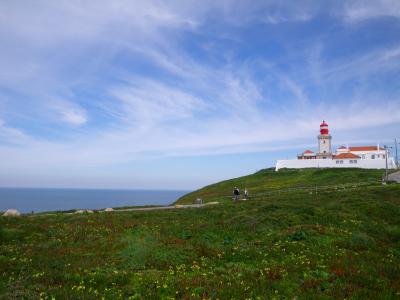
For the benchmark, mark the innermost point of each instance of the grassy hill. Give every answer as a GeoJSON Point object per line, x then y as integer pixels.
{"type": "Point", "coordinates": [269, 180]}
{"type": "Point", "coordinates": [328, 245]}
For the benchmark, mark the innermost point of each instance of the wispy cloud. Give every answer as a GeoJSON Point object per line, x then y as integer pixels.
{"type": "Point", "coordinates": [121, 82]}
{"type": "Point", "coordinates": [72, 114]}
{"type": "Point", "coordinates": [147, 101]}
{"type": "Point", "coordinates": [355, 11]}
{"type": "Point", "coordinates": [10, 136]}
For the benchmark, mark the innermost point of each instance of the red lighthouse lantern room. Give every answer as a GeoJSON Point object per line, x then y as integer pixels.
{"type": "Point", "coordinates": [323, 128]}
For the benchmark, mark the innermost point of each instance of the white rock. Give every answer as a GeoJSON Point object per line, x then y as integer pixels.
{"type": "Point", "coordinates": [79, 212]}
{"type": "Point", "coordinates": [109, 209]}
{"type": "Point", "coordinates": [89, 211]}
{"type": "Point", "coordinates": [11, 213]}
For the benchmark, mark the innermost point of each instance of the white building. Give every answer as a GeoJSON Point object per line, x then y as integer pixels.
{"type": "Point", "coordinates": [367, 157]}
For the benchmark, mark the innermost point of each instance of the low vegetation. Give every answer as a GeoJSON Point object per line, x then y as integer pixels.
{"type": "Point", "coordinates": [302, 245]}
{"type": "Point", "coordinates": [269, 180]}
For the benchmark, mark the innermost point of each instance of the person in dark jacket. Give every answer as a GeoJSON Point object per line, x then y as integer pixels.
{"type": "Point", "coordinates": [236, 194]}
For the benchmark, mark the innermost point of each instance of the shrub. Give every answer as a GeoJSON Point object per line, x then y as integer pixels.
{"type": "Point", "coordinates": [297, 236]}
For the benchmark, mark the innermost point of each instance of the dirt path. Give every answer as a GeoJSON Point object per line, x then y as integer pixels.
{"type": "Point", "coordinates": [395, 176]}
{"type": "Point", "coordinates": [82, 211]}
{"type": "Point", "coordinates": [178, 206]}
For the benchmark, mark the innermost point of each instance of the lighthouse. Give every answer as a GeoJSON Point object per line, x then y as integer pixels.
{"type": "Point", "coordinates": [366, 157]}
{"type": "Point", "coordinates": [324, 142]}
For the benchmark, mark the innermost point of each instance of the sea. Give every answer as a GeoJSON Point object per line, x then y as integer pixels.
{"type": "Point", "coordinates": [27, 200]}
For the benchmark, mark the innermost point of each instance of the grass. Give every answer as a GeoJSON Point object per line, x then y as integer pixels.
{"type": "Point", "coordinates": [342, 244]}
{"type": "Point", "coordinates": [269, 180]}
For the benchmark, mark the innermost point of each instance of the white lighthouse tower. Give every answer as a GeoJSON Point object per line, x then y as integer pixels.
{"type": "Point", "coordinates": [324, 142]}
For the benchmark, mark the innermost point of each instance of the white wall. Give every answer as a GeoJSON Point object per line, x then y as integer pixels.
{"type": "Point", "coordinates": [331, 163]}
{"type": "Point", "coordinates": [367, 154]}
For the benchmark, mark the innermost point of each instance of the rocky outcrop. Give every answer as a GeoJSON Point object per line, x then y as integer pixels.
{"type": "Point", "coordinates": [12, 213]}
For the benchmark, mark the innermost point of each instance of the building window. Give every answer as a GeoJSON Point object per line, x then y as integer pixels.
{"type": "Point", "coordinates": [337, 162]}
{"type": "Point", "coordinates": [377, 155]}
{"type": "Point", "coordinates": [373, 156]}
{"type": "Point", "coordinates": [363, 156]}
{"type": "Point", "coordinates": [383, 155]}
{"type": "Point", "coordinates": [324, 142]}
{"type": "Point", "coordinates": [341, 162]}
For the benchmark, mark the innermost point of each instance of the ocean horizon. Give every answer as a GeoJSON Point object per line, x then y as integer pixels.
{"type": "Point", "coordinates": [26, 200]}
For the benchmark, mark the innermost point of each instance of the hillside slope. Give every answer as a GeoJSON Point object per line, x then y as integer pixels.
{"type": "Point", "coordinates": [335, 245]}
{"type": "Point", "coordinates": [269, 179]}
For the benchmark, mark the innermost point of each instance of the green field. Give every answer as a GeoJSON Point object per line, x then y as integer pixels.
{"type": "Point", "coordinates": [269, 180]}
{"type": "Point", "coordinates": [338, 243]}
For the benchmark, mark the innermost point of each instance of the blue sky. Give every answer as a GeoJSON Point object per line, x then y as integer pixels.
{"type": "Point", "coordinates": [180, 94]}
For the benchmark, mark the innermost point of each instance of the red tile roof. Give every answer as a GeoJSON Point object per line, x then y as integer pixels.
{"type": "Point", "coordinates": [365, 148]}
{"type": "Point", "coordinates": [308, 151]}
{"type": "Point", "coordinates": [346, 155]}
